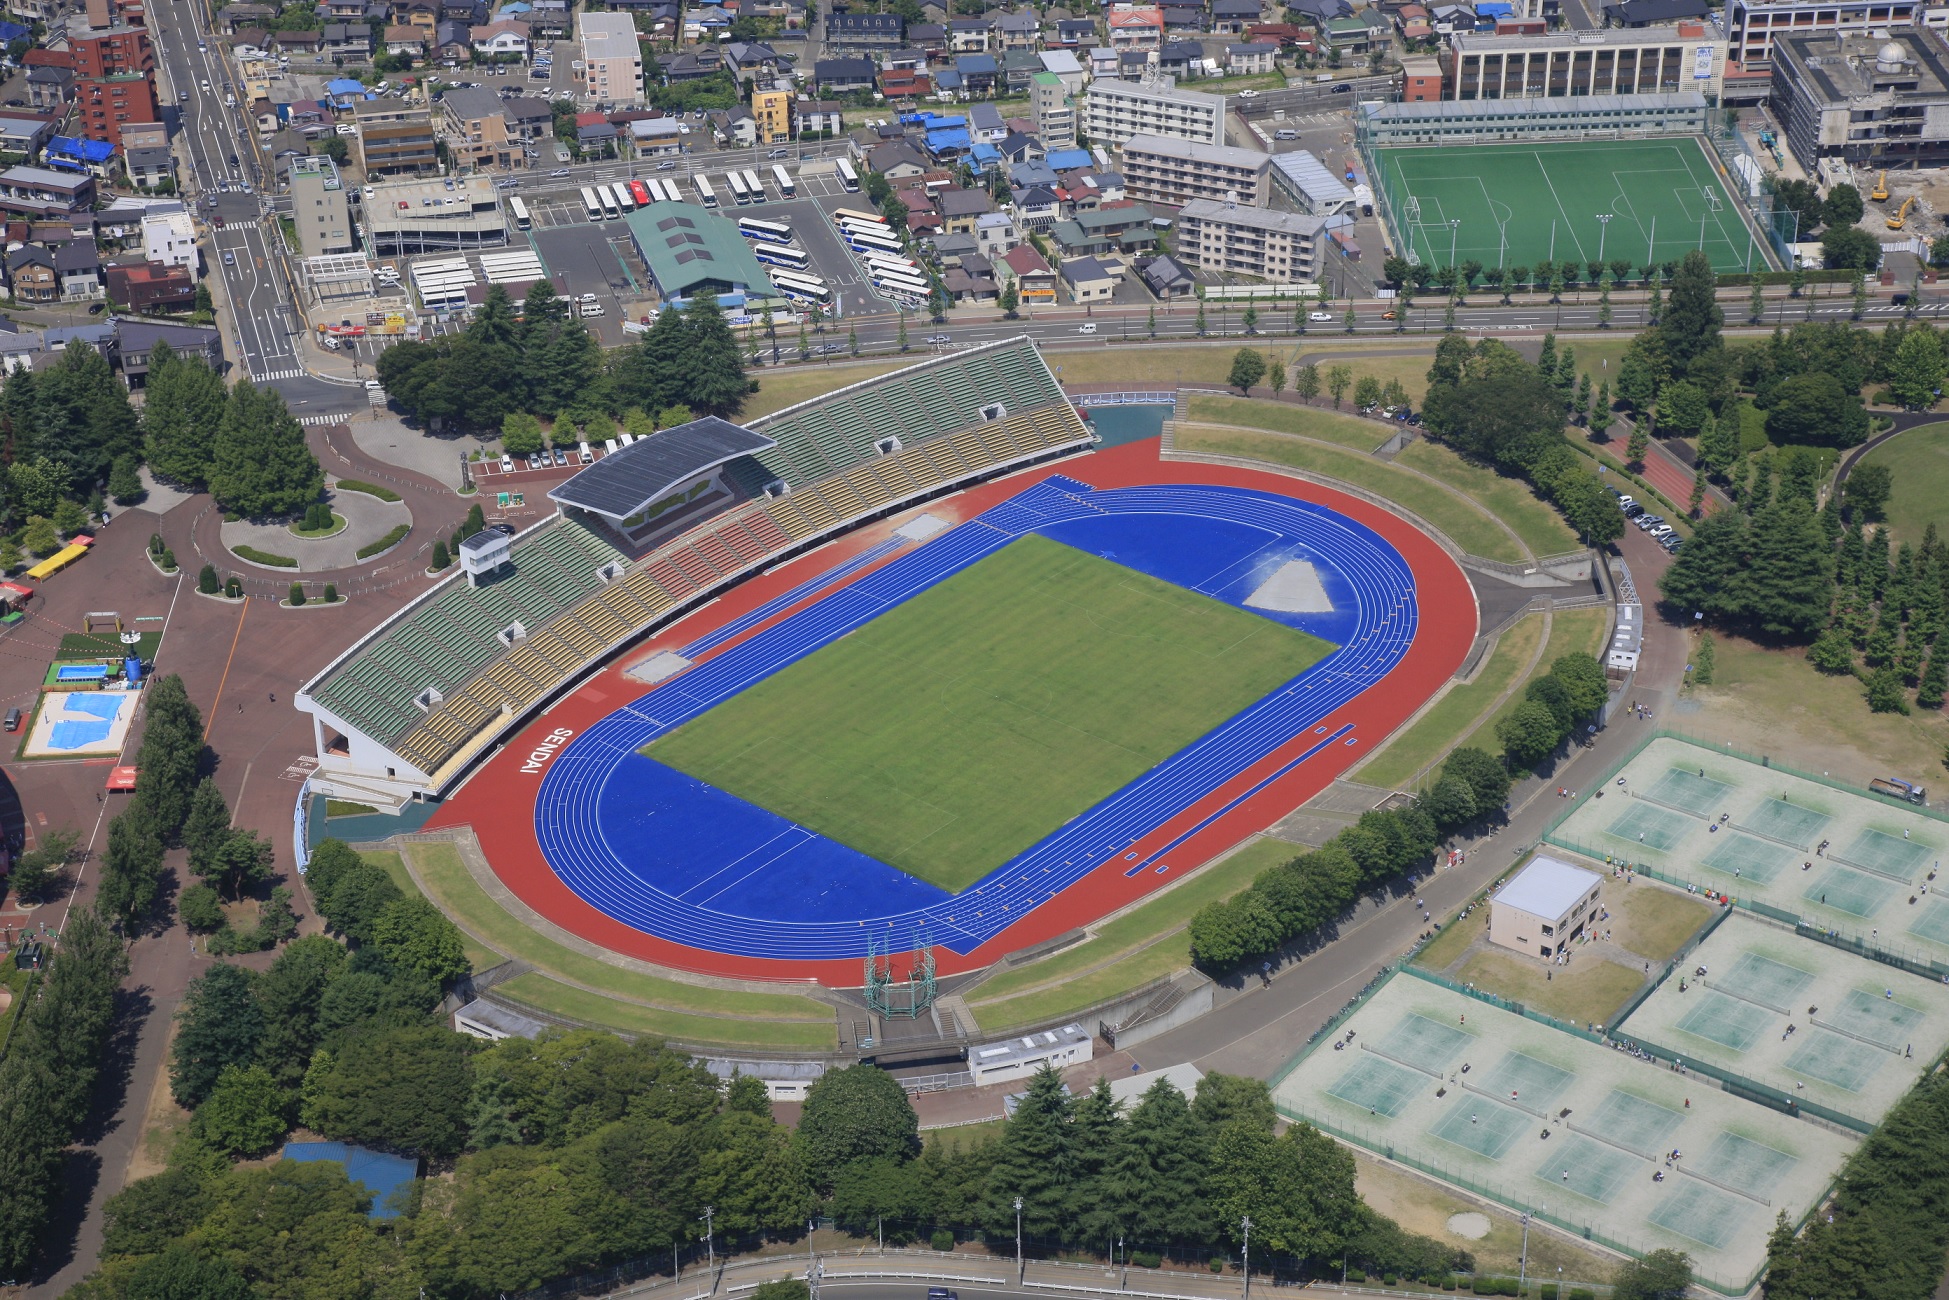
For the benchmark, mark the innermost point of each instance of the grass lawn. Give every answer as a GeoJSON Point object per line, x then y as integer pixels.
{"type": "Point", "coordinates": [1919, 462]}
{"type": "Point", "coordinates": [1450, 944]}
{"type": "Point", "coordinates": [1510, 500]}
{"type": "Point", "coordinates": [1585, 992]}
{"type": "Point", "coordinates": [1570, 629]}
{"type": "Point", "coordinates": [452, 886]}
{"type": "Point", "coordinates": [1466, 523]}
{"type": "Point", "coordinates": [346, 808]}
{"type": "Point", "coordinates": [537, 990]}
{"type": "Point", "coordinates": [1119, 947]}
{"type": "Point", "coordinates": [789, 385]}
{"type": "Point", "coordinates": [479, 955]}
{"type": "Point", "coordinates": [1306, 421]}
{"type": "Point", "coordinates": [959, 728]}
{"type": "Point", "coordinates": [1438, 730]}
{"type": "Point", "coordinates": [1654, 921]}
{"type": "Point", "coordinates": [962, 1137]}
{"type": "Point", "coordinates": [96, 645]}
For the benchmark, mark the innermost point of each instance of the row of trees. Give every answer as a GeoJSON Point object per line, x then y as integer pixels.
{"type": "Point", "coordinates": [242, 444]}
{"type": "Point", "coordinates": [543, 360]}
{"type": "Point", "coordinates": [1554, 706]}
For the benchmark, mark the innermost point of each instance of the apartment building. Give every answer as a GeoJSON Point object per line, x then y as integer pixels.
{"type": "Point", "coordinates": [1115, 110]}
{"type": "Point", "coordinates": [395, 136]}
{"type": "Point", "coordinates": [1053, 110]}
{"type": "Point", "coordinates": [319, 208]}
{"type": "Point", "coordinates": [1157, 169]}
{"type": "Point", "coordinates": [1751, 25]}
{"type": "Point", "coordinates": [35, 192]}
{"type": "Point", "coordinates": [771, 116]}
{"type": "Point", "coordinates": [1609, 61]}
{"type": "Point", "coordinates": [106, 104]}
{"type": "Point", "coordinates": [476, 125]}
{"type": "Point", "coordinates": [1278, 246]}
{"type": "Point", "coordinates": [169, 239]}
{"type": "Point", "coordinates": [612, 61]}
{"type": "Point", "coordinates": [1871, 101]}
{"type": "Point", "coordinates": [111, 51]}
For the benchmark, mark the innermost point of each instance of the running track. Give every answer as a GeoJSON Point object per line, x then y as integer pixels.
{"type": "Point", "coordinates": [1416, 621]}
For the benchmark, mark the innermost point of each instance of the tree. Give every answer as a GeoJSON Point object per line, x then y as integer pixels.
{"type": "Point", "coordinates": [1813, 409]}
{"type": "Point", "coordinates": [1850, 248]}
{"type": "Point", "coordinates": [1843, 206]}
{"type": "Point", "coordinates": [238, 862]}
{"type": "Point", "coordinates": [1682, 408]}
{"type": "Point", "coordinates": [405, 1087]}
{"type": "Point", "coordinates": [125, 481]}
{"type": "Point", "coordinates": [1804, 200]}
{"type": "Point", "coordinates": [1886, 692]}
{"type": "Point", "coordinates": [219, 1025]}
{"type": "Point", "coordinates": [1832, 652]}
{"type": "Point", "coordinates": [1486, 778]}
{"type": "Point", "coordinates": [1528, 734]}
{"type": "Point", "coordinates": [1916, 375]}
{"type": "Point", "coordinates": [244, 1115]}
{"type": "Point", "coordinates": [859, 1113]}
{"type": "Point", "coordinates": [1035, 1163]}
{"type": "Point", "coordinates": [1276, 376]}
{"type": "Point", "coordinates": [201, 909]}
{"type": "Point", "coordinates": [1637, 445]}
{"type": "Point", "coordinates": [1306, 382]}
{"type": "Point", "coordinates": [1718, 445]}
{"type": "Point", "coordinates": [521, 434]}
{"type": "Point", "coordinates": [357, 898]}
{"type": "Point", "coordinates": [1366, 392]}
{"type": "Point", "coordinates": [1691, 321]}
{"type": "Point", "coordinates": [183, 407]}
{"type": "Point", "coordinates": [1450, 802]}
{"type": "Point", "coordinates": [1248, 368]}
{"type": "Point", "coordinates": [131, 867]}
{"type": "Point", "coordinates": [259, 464]}
{"type": "Point", "coordinates": [1661, 1275]}
{"type": "Point", "coordinates": [439, 558]}
{"type": "Point", "coordinates": [414, 934]}
{"type": "Point", "coordinates": [1338, 378]}
{"type": "Point", "coordinates": [40, 538]}
{"type": "Point", "coordinates": [1011, 301]}
{"type": "Point", "coordinates": [1869, 488]}
{"type": "Point", "coordinates": [1588, 508]}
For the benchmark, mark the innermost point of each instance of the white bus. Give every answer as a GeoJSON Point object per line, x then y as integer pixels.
{"type": "Point", "coordinates": [849, 226]}
{"type": "Point", "coordinates": [659, 194]}
{"type": "Point", "coordinates": [908, 284]}
{"type": "Point", "coordinates": [848, 177]}
{"type": "Point", "coordinates": [771, 232]}
{"type": "Point", "coordinates": [607, 198]}
{"type": "Point", "coordinates": [754, 185]}
{"type": "Point", "coordinates": [787, 187]}
{"type": "Point", "coordinates": [589, 202]}
{"type": "Point", "coordinates": [739, 195]}
{"type": "Point", "coordinates": [844, 215]}
{"type": "Point", "coordinates": [625, 201]}
{"type": "Point", "coordinates": [802, 288]}
{"type": "Point", "coordinates": [785, 255]}
{"type": "Point", "coordinates": [705, 195]}
{"type": "Point", "coordinates": [859, 241]}
{"type": "Point", "coordinates": [522, 220]}
{"type": "Point", "coordinates": [874, 257]}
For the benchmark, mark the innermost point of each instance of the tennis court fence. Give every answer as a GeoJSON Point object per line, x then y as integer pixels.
{"type": "Point", "coordinates": [1588, 1033]}
{"type": "Point", "coordinates": [1752, 1089]}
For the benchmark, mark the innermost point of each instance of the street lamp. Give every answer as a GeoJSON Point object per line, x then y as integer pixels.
{"type": "Point", "coordinates": [1603, 228]}
{"type": "Point", "coordinates": [1454, 232]}
{"type": "Point", "coordinates": [1522, 1260]}
{"type": "Point", "coordinates": [1246, 1224]}
{"type": "Point", "coordinates": [1019, 1273]}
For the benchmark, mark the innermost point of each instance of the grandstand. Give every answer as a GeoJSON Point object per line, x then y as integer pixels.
{"type": "Point", "coordinates": [675, 519]}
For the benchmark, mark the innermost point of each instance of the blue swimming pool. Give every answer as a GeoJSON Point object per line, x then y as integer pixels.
{"type": "Point", "coordinates": [80, 672]}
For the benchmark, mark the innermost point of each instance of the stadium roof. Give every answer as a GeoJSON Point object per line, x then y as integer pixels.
{"type": "Point", "coordinates": [627, 480]}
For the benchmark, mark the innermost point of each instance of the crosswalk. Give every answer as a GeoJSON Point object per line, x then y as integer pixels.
{"type": "Point", "coordinates": [321, 419]}
{"type": "Point", "coordinates": [277, 374]}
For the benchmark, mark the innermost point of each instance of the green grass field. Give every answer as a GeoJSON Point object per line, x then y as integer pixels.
{"type": "Point", "coordinates": [1436, 732]}
{"type": "Point", "coordinates": [951, 733]}
{"type": "Point", "coordinates": [84, 645]}
{"type": "Point", "coordinates": [1515, 204]}
{"type": "Point", "coordinates": [1919, 463]}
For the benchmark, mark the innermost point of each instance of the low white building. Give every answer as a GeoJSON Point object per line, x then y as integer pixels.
{"type": "Point", "coordinates": [1018, 1058]}
{"type": "Point", "coordinates": [1546, 906]}
{"type": "Point", "coordinates": [170, 239]}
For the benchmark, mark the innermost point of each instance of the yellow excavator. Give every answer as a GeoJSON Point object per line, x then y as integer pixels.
{"type": "Point", "coordinates": [1900, 218]}
{"type": "Point", "coordinates": [1880, 192]}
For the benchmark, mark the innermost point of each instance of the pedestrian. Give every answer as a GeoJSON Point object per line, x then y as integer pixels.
{"type": "Point", "coordinates": [240, 706]}
{"type": "Point", "coordinates": [274, 697]}
{"type": "Point", "coordinates": [98, 796]}
{"type": "Point", "coordinates": [1688, 1103]}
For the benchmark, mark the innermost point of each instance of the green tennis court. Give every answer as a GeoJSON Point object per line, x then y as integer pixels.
{"type": "Point", "coordinates": [1652, 826]}
{"type": "Point", "coordinates": [1743, 1164]}
{"type": "Point", "coordinates": [1853, 892]}
{"type": "Point", "coordinates": [1587, 1168]}
{"type": "Point", "coordinates": [1885, 855]}
{"type": "Point", "coordinates": [1519, 204]}
{"type": "Point", "coordinates": [1688, 792]}
{"type": "Point", "coordinates": [1378, 1085]}
{"type": "Point", "coordinates": [1423, 1043]}
{"type": "Point", "coordinates": [1481, 1126]}
{"type": "Point", "coordinates": [1526, 1081]}
{"type": "Point", "coordinates": [1633, 1123]}
{"type": "Point", "coordinates": [1787, 822]}
{"type": "Point", "coordinates": [1704, 1214]}
{"type": "Point", "coordinates": [1836, 1059]}
{"type": "Point", "coordinates": [1878, 1020]}
{"type": "Point", "coordinates": [1725, 1021]}
{"type": "Point", "coordinates": [1772, 984]}
{"type": "Point", "coordinates": [1745, 858]}
{"type": "Point", "coordinates": [1933, 922]}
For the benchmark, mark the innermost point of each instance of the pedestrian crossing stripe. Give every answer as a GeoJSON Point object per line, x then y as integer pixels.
{"type": "Point", "coordinates": [278, 374]}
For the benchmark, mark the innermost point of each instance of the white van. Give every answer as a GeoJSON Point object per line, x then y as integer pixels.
{"type": "Point", "coordinates": [1086, 329]}
{"type": "Point", "coordinates": [608, 446]}
{"type": "Point", "coordinates": [586, 456]}
{"type": "Point", "coordinates": [507, 464]}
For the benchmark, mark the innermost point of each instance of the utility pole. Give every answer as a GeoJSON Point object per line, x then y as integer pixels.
{"type": "Point", "coordinates": [1019, 1271]}
{"type": "Point", "coordinates": [1246, 1224]}
{"type": "Point", "coordinates": [710, 1243]}
{"type": "Point", "coordinates": [1522, 1260]}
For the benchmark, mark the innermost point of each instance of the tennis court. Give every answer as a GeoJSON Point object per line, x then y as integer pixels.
{"type": "Point", "coordinates": [1608, 1120]}
{"type": "Point", "coordinates": [1772, 984]}
{"type": "Point", "coordinates": [1644, 823]}
{"type": "Point", "coordinates": [1690, 792]}
{"type": "Point", "coordinates": [1885, 855]}
{"type": "Point", "coordinates": [1725, 1021]}
{"type": "Point", "coordinates": [1785, 821]}
{"type": "Point", "coordinates": [1644, 201]}
{"type": "Point", "coordinates": [1832, 1058]}
{"type": "Point", "coordinates": [1850, 891]}
{"type": "Point", "coordinates": [1744, 858]}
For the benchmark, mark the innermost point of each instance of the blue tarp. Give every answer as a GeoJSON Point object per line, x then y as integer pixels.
{"type": "Point", "coordinates": [89, 151]}
{"type": "Point", "coordinates": [952, 138]}
{"type": "Point", "coordinates": [14, 31]}
{"type": "Point", "coordinates": [382, 1174]}
{"type": "Point", "coordinates": [344, 86]}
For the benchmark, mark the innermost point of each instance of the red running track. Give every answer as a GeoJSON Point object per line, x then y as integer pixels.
{"type": "Point", "coordinates": [498, 800]}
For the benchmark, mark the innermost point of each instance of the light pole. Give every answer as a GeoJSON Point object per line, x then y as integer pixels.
{"type": "Point", "coordinates": [1603, 228]}
{"type": "Point", "coordinates": [1019, 1273]}
{"type": "Point", "coordinates": [710, 1243]}
{"type": "Point", "coordinates": [1522, 1260]}
{"type": "Point", "coordinates": [1454, 232]}
{"type": "Point", "coordinates": [1246, 1224]}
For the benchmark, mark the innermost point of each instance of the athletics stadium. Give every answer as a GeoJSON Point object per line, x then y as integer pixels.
{"type": "Point", "coordinates": [917, 666]}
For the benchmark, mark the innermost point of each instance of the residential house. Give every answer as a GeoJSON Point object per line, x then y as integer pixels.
{"type": "Point", "coordinates": [896, 160]}
{"type": "Point", "coordinates": [345, 41]}
{"type": "Point", "coordinates": [528, 119]}
{"type": "Point", "coordinates": [978, 73]}
{"type": "Point", "coordinates": [950, 249]}
{"type": "Point", "coordinates": [423, 14]}
{"type": "Point", "coordinates": [1016, 147]}
{"type": "Point", "coordinates": [39, 193]}
{"type": "Point", "coordinates": [505, 39]}
{"type": "Point", "coordinates": [995, 234]}
{"type": "Point", "coordinates": [970, 35]}
{"type": "Point", "coordinates": [72, 153]}
{"type": "Point", "coordinates": [985, 123]}
{"type": "Point", "coordinates": [1073, 31]}
{"type": "Point", "coordinates": [1183, 19]}
{"type": "Point", "coordinates": [1284, 35]}
{"type": "Point", "coordinates": [594, 133]}
{"type": "Point", "coordinates": [1035, 282]}
{"type": "Point", "coordinates": [1037, 207]}
{"type": "Point", "coordinates": [1088, 280]}
{"type": "Point", "coordinates": [693, 65]}
{"type": "Point", "coordinates": [755, 60]}
{"type": "Point", "coordinates": [149, 167]}
{"type": "Point", "coordinates": [169, 239]}
{"type": "Point", "coordinates": [1232, 17]}
{"type": "Point", "coordinates": [150, 286]}
{"type": "Point", "coordinates": [1104, 62]}
{"type": "Point", "coordinates": [301, 45]}
{"type": "Point", "coordinates": [451, 45]}
{"type": "Point", "coordinates": [406, 39]}
{"type": "Point", "coordinates": [895, 84]}
{"type": "Point", "coordinates": [1165, 279]}
{"type": "Point", "coordinates": [819, 116]}
{"type": "Point", "coordinates": [1181, 58]}
{"type": "Point", "coordinates": [1018, 68]}
{"type": "Point", "coordinates": [657, 136]}
{"type": "Point", "coordinates": [706, 24]}
{"type": "Point", "coordinates": [30, 274]}
{"type": "Point", "coordinates": [1136, 28]}
{"type": "Point", "coordinates": [229, 18]}
{"type": "Point", "coordinates": [78, 271]}
{"type": "Point", "coordinates": [1250, 59]}
{"type": "Point", "coordinates": [395, 136]}
{"type": "Point", "coordinates": [971, 283]}
{"type": "Point", "coordinates": [960, 208]}
{"type": "Point", "coordinates": [863, 33]}
{"type": "Point", "coordinates": [25, 133]}
{"type": "Point", "coordinates": [50, 87]}
{"type": "Point", "coordinates": [1117, 234]}
{"type": "Point", "coordinates": [1018, 30]}
{"type": "Point", "coordinates": [841, 76]}
{"type": "Point", "coordinates": [930, 39]}
{"type": "Point", "coordinates": [133, 341]}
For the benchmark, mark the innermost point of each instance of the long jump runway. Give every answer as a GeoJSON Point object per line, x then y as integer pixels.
{"type": "Point", "coordinates": [648, 861]}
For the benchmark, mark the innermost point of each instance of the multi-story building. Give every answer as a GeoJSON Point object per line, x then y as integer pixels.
{"type": "Point", "coordinates": [1114, 110]}
{"type": "Point", "coordinates": [169, 239]}
{"type": "Point", "coordinates": [111, 51]}
{"type": "Point", "coordinates": [1871, 101]}
{"type": "Point", "coordinates": [1751, 25]}
{"type": "Point", "coordinates": [36, 192]}
{"type": "Point", "coordinates": [106, 104]}
{"type": "Point", "coordinates": [848, 34]}
{"type": "Point", "coordinates": [395, 136]}
{"type": "Point", "coordinates": [476, 126]}
{"type": "Point", "coordinates": [1281, 247]}
{"type": "Point", "coordinates": [771, 116]}
{"type": "Point", "coordinates": [1608, 61]}
{"type": "Point", "coordinates": [1534, 120]}
{"type": "Point", "coordinates": [1157, 169]}
{"type": "Point", "coordinates": [319, 208]}
{"type": "Point", "coordinates": [612, 61]}
{"type": "Point", "coordinates": [1054, 111]}
{"type": "Point", "coordinates": [410, 217]}
{"type": "Point", "coordinates": [1136, 27]}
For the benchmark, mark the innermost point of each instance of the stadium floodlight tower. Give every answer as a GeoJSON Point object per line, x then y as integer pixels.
{"type": "Point", "coordinates": [903, 999]}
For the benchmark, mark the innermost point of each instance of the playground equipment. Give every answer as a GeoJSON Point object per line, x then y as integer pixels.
{"type": "Point", "coordinates": [100, 620]}
{"type": "Point", "coordinates": [1880, 192]}
{"type": "Point", "coordinates": [1900, 218]}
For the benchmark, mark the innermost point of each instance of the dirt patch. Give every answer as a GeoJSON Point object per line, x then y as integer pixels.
{"type": "Point", "coordinates": [1585, 992]}
{"type": "Point", "coordinates": [162, 1121]}
{"type": "Point", "coordinates": [1471, 1224]}
{"type": "Point", "coordinates": [1654, 921]}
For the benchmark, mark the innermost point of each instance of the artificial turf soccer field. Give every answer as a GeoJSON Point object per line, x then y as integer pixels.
{"type": "Point", "coordinates": [1512, 199]}
{"type": "Point", "coordinates": [960, 728]}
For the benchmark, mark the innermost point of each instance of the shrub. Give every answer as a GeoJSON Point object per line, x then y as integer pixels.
{"type": "Point", "coordinates": [1355, 1275]}
{"type": "Point", "coordinates": [155, 543]}
{"type": "Point", "coordinates": [234, 587]}
{"type": "Point", "coordinates": [440, 558]}
{"type": "Point", "coordinates": [256, 556]}
{"type": "Point", "coordinates": [1146, 1258]}
{"type": "Point", "coordinates": [385, 543]}
{"type": "Point", "coordinates": [1548, 1291]}
{"type": "Point", "coordinates": [200, 908]}
{"type": "Point", "coordinates": [331, 593]}
{"type": "Point", "coordinates": [370, 489]}
{"type": "Point", "coordinates": [1217, 1265]}
{"type": "Point", "coordinates": [1448, 1283]}
{"type": "Point", "coordinates": [207, 581]}
{"type": "Point", "coordinates": [168, 560]}
{"type": "Point", "coordinates": [943, 1239]}
{"type": "Point", "coordinates": [1389, 1279]}
{"type": "Point", "coordinates": [297, 593]}
{"type": "Point", "coordinates": [1581, 1293]}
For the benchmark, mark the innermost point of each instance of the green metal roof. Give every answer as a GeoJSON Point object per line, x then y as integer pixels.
{"type": "Point", "coordinates": [691, 250]}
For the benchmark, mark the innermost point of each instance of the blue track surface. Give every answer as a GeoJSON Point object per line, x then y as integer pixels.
{"type": "Point", "coordinates": [671, 856]}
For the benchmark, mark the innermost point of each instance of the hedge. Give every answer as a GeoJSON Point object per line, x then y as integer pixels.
{"type": "Point", "coordinates": [256, 556]}
{"type": "Point", "coordinates": [385, 543]}
{"type": "Point", "coordinates": [370, 489]}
